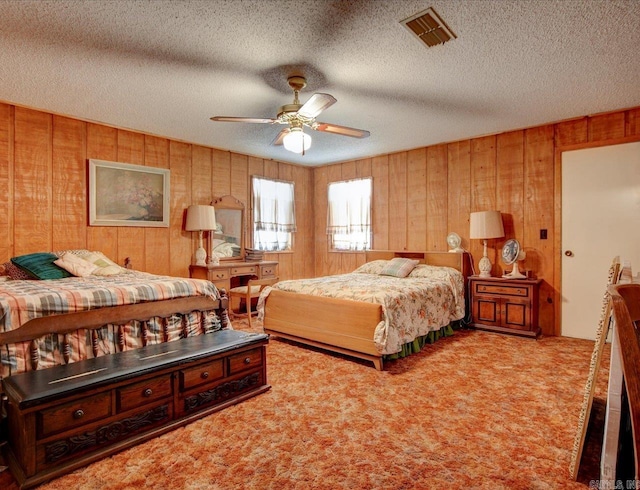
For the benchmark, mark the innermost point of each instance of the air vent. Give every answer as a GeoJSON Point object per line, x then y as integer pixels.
{"type": "Point", "coordinates": [429, 28]}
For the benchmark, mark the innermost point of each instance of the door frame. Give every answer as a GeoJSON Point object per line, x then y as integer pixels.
{"type": "Point", "coordinates": [557, 225]}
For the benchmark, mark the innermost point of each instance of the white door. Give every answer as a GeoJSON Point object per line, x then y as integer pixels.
{"type": "Point", "coordinates": [600, 220]}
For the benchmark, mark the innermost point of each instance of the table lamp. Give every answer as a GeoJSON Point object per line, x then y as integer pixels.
{"type": "Point", "coordinates": [484, 226]}
{"type": "Point", "coordinates": [200, 217]}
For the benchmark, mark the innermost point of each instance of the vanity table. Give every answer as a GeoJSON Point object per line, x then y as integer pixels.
{"type": "Point", "coordinates": [229, 274]}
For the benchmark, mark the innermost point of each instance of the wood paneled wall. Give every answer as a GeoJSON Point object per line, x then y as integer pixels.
{"type": "Point", "coordinates": [419, 196]}
{"type": "Point", "coordinates": [43, 177]}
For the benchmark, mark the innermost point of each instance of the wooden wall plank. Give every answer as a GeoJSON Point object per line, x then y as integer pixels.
{"type": "Point", "coordinates": [102, 144]}
{"type": "Point", "coordinates": [201, 175]}
{"type": "Point", "coordinates": [321, 245]}
{"type": "Point", "coordinates": [437, 198]}
{"type": "Point", "coordinates": [69, 180]}
{"type": "Point", "coordinates": [182, 245]}
{"type": "Point", "coordinates": [255, 166]}
{"type": "Point", "coordinates": [6, 181]}
{"type": "Point", "coordinates": [380, 174]}
{"type": "Point", "coordinates": [363, 168]}
{"type": "Point", "coordinates": [32, 183]}
{"type": "Point", "coordinates": [131, 239]}
{"type": "Point", "coordinates": [539, 214]}
{"type": "Point", "coordinates": [157, 253]}
{"type": "Point", "coordinates": [417, 199]}
{"type": "Point", "coordinates": [221, 173]}
{"type": "Point", "coordinates": [285, 259]}
{"type": "Point", "coordinates": [459, 190]}
{"type": "Point", "coordinates": [398, 201]}
{"type": "Point", "coordinates": [333, 261]}
{"type": "Point", "coordinates": [607, 126]}
{"type": "Point", "coordinates": [572, 132]}
{"type": "Point", "coordinates": [633, 122]}
{"type": "Point", "coordinates": [240, 178]}
{"type": "Point", "coordinates": [510, 177]}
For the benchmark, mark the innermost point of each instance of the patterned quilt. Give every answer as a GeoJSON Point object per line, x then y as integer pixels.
{"type": "Point", "coordinates": [426, 300]}
{"type": "Point", "coordinates": [23, 300]}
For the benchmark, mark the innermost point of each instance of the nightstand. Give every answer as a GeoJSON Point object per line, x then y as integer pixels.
{"type": "Point", "coordinates": [505, 305]}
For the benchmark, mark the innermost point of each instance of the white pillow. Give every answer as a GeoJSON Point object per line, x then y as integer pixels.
{"type": "Point", "coordinates": [75, 265]}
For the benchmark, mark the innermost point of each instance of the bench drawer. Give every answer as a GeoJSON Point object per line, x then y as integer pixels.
{"type": "Point", "coordinates": [73, 414]}
{"type": "Point", "coordinates": [144, 392]}
{"type": "Point", "coordinates": [205, 373]}
{"type": "Point", "coordinates": [245, 360]}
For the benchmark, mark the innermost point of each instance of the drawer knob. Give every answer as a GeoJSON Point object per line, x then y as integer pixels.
{"type": "Point", "coordinates": [78, 414]}
{"type": "Point", "coordinates": [247, 360]}
{"type": "Point", "coordinates": [148, 392]}
{"type": "Point", "coordinates": [204, 375]}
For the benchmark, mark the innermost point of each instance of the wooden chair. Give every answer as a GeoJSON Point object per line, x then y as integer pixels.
{"type": "Point", "coordinates": [252, 290]}
{"type": "Point", "coordinates": [625, 300]}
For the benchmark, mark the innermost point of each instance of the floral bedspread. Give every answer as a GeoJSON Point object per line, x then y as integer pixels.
{"type": "Point", "coordinates": [23, 300]}
{"type": "Point", "coordinates": [428, 299]}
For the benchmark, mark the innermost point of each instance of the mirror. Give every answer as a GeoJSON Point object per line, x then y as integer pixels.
{"type": "Point", "coordinates": [227, 241]}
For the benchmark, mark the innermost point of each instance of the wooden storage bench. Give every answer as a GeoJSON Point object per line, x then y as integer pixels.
{"type": "Point", "coordinates": [67, 416]}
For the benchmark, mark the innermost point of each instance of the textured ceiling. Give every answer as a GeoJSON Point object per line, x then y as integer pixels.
{"type": "Point", "coordinates": [165, 67]}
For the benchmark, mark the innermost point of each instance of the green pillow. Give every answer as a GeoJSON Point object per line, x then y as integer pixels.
{"type": "Point", "coordinates": [40, 266]}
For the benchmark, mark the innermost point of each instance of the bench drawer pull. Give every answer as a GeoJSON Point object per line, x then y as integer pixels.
{"type": "Point", "coordinates": [148, 392]}
{"type": "Point", "coordinates": [247, 360]}
{"type": "Point", "coordinates": [78, 414]}
{"type": "Point", "coordinates": [204, 375]}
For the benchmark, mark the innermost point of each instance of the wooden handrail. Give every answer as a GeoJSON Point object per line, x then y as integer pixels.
{"type": "Point", "coordinates": [625, 300]}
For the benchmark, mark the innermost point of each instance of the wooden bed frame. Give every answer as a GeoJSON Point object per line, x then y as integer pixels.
{"type": "Point", "coordinates": [92, 320]}
{"type": "Point", "coordinates": [311, 319]}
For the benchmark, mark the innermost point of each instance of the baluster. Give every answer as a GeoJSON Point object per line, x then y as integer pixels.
{"type": "Point", "coordinates": [66, 348]}
{"type": "Point", "coordinates": [121, 337]}
{"type": "Point", "coordinates": [185, 325]}
{"type": "Point", "coordinates": [165, 329]}
{"type": "Point", "coordinates": [33, 350]}
{"type": "Point", "coordinates": [143, 332]}
{"type": "Point", "coordinates": [94, 342]}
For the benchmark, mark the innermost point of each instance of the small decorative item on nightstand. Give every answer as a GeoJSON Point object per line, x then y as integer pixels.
{"type": "Point", "coordinates": [511, 254]}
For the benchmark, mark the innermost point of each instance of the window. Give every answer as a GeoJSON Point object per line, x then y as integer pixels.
{"type": "Point", "coordinates": [349, 214]}
{"type": "Point", "coordinates": [274, 218]}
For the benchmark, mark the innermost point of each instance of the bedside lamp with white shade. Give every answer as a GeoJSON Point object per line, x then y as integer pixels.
{"type": "Point", "coordinates": [486, 225]}
{"type": "Point", "coordinates": [200, 218]}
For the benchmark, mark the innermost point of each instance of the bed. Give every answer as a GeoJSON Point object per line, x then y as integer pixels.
{"type": "Point", "coordinates": [341, 314]}
{"type": "Point", "coordinates": [67, 318]}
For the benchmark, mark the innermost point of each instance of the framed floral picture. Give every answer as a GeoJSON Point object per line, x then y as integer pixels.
{"type": "Point", "coordinates": [122, 194]}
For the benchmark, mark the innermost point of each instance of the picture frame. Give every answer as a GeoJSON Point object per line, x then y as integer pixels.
{"type": "Point", "coordinates": [123, 194]}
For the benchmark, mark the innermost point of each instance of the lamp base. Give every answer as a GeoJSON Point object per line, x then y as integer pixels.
{"type": "Point", "coordinates": [201, 255]}
{"type": "Point", "coordinates": [485, 267]}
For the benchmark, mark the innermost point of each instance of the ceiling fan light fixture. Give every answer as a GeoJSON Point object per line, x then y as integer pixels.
{"type": "Point", "coordinates": [297, 141]}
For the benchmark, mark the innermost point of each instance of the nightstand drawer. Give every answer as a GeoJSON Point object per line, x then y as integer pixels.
{"type": "Point", "coordinates": [502, 289]}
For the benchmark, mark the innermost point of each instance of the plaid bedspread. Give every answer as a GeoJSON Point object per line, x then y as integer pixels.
{"type": "Point", "coordinates": [21, 301]}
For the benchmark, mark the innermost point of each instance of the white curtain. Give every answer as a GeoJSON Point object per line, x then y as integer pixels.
{"type": "Point", "coordinates": [349, 214]}
{"type": "Point", "coordinates": [273, 213]}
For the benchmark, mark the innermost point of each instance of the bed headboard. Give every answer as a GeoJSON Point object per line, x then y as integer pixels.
{"type": "Point", "coordinates": [460, 261]}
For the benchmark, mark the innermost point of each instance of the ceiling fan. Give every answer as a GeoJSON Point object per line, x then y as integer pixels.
{"type": "Point", "coordinates": [298, 115]}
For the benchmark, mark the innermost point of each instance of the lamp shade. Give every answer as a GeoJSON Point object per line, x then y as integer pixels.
{"type": "Point", "coordinates": [297, 141]}
{"type": "Point", "coordinates": [200, 217]}
{"type": "Point", "coordinates": [486, 224]}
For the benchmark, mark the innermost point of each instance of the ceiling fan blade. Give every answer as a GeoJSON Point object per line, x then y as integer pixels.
{"type": "Point", "coordinates": [244, 119]}
{"type": "Point", "coordinates": [316, 104]}
{"type": "Point", "coordinates": [343, 130]}
{"type": "Point", "coordinates": [278, 139]}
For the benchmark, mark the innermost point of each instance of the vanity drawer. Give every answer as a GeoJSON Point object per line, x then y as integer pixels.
{"type": "Point", "coordinates": [244, 270]}
{"type": "Point", "coordinates": [245, 360]}
{"type": "Point", "coordinates": [144, 392]}
{"type": "Point", "coordinates": [205, 373]}
{"type": "Point", "coordinates": [73, 414]}
{"type": "Point", "coordinates": [267, 271]}
{"type": "Point", "coordinates": [218, 275]}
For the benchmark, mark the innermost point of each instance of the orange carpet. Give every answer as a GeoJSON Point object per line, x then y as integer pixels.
{"type": "Point", "coordinates": [477, 410]}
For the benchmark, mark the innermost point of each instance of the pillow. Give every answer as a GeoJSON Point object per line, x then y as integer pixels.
{"type": "Point", "coordinates": [399, 267]}
{"type": "Point", "coordinates": [79, 252]}
{"type": "Point", "coordinates": [106, 266]}
{"type": "Point", "coordinates": [14, 272]}
{"type": "Point", "coordinates": [75, 265]}
{"type": "Point", "coordinates": [41, 266]}
{"type": "Point", "coordinates": [373, 267]}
